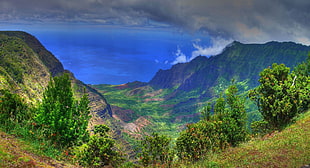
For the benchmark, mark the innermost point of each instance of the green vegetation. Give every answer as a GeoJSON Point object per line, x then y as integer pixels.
{"type": "Point", "coordinates": [227, 127]}
{"type": "Point", "coordinates": [13, 108]}
{"type": "Point", "coordinates": [288, 148]}
{"type": "Point", "coordinates": [44, 117]}
{"type": "Point", "coordinates": [98, 151]}
{"type": "Point", "coordinates": [281, 94]}
{"type": "Point", "coordinates": [59, 123]}
{"type": "Point", "coordinates": [156, 150]}
{"type": "Point", "coordinates": [63, 119]}
{"type": "Point", "coordinates": [16, 117]}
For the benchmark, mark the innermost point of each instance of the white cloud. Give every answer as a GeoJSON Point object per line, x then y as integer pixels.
{"type": "Point", "coordinates": [180, 57]}
{"type": "Point", "coordinates": [217, 46]}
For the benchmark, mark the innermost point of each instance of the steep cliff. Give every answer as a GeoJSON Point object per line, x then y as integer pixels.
{"type": "Point", "coordinates": [26, 67]}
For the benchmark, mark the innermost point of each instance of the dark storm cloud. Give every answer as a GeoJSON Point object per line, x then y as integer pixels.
{"type": "Point", "coordinates": [245, 20]}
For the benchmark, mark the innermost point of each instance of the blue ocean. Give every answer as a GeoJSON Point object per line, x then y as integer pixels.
{"type": "Point", "coordinates": [112, 55]}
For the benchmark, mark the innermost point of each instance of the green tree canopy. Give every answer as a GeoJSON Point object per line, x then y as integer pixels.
{"type": "Point", "coordinates": [63, 118]}
{"type": "Point", "coordinates": [281, 94]}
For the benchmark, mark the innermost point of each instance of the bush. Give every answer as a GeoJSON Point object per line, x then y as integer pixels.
{"type": "Point", "coordinates": [98, 151]}
{"type": "Point", "coordinates": [156, 149]}
{"type": "Point", "coordinates": [281, 95]}
{"type": "Point", "coordinates": [200, 138]}
{"type": "Point", "coordinates": [260, 127]}
{"type": "Point", "coordinates": [12, 108]}
{"type": "Point", "coordinates": [227, 127]}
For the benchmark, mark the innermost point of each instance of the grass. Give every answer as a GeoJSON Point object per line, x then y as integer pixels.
{"type": "Point", "coordinates": [289, 148]}
{"type": "Point", "coordinates": [19, 153]}
{"type": "Point", "coordinates": [23, 147]}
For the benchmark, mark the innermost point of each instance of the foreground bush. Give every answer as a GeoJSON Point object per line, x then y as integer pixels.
{"type": "Point", "coordinates": [98, 151]}
{"type": "Point", "coordinates": [13, 109]}
{"type": "Point", "coordinates": [282, 95]}
{"type": "Point", "coordinates": [227, 127]}
{"type": "Point", "coordinates": [156, 149]}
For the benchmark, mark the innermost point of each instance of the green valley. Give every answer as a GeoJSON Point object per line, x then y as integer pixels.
{"type": "Point", "coordinates": [246, 107]}
{"type": "Point", "coordinates": [174, 97]}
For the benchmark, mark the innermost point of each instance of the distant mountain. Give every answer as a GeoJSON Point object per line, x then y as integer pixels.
{"type": "Point", "coordinates": [238, 61]}
{"type": "Point", "coordinates": [172, 98]}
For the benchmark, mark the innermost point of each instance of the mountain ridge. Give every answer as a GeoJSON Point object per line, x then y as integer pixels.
{"type": "Point", "coordinates": [173, 97]}
{"type": "Point", "coordinates": [187, 76]}
{"type": "Point", "coordinates": [43, 61]}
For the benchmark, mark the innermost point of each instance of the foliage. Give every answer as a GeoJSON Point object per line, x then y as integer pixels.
{"type": "Point", "coordinates": [288, 148]}
{"type": "Point", "coordinates": [260, 127]}
{"type": "Point", "coordinates": [11, 49]}
{"type": "Point", "coordinates": [63, 118]}
{"type": "Point", "coordinates": [16, 117]}
{"type": "Point", "coordinates": [206, 112]}
{"type": "Point", "coordinates": [12, 108]}
{"type": "Point", "coordinates": [302, 83]}
{"type": "Point", "coordinates": [226, 127]}
{"type": "Point", "coordinates": [156, 149]}
{"type": "Point", "coordinates": [281, 95]}
{"type": "Point", "coordinates": [98, 151]}
{"type": "Point", "coordinates": [236, 115]}
{"type": "Point", "coordinates": [199, 138]}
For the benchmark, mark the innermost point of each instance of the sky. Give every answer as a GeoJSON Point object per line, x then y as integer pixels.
{"type": "Point", "coordinates": [119, 41]}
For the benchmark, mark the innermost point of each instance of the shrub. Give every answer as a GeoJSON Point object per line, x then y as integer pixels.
{"type": "Point", "coordinates": [281, 95]}
{"type": "Point", "coordinates": [12, 108]}
{"type": "Point", "coordinates": [156, 149]}
{"type": "Point", "coordinates": [213, 133]}
{"type": "Point", "coordinates": [199, 138]}
{"type": "Point", "coordinates": [260, 127]}
{"type": "Point", "coordinates": [98, 151]}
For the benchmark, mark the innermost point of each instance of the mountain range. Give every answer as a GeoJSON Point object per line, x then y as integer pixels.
{"type": "Point", "coordinates": [173, 97]}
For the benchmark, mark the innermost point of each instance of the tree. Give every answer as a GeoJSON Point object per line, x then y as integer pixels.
{"type": "Point", "coordinates": [63, 118]}
{"type": "Point", "coordinates": [235, 117]}
{"type": "Point", "coordinates": [277, 96]}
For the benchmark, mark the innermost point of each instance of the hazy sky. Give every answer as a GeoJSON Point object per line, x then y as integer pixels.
{"type": "Point", "coordinates": [195, 27]}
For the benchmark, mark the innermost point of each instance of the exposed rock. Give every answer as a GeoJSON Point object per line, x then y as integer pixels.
{"type": "Point", "coordinates": [125, 115]}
